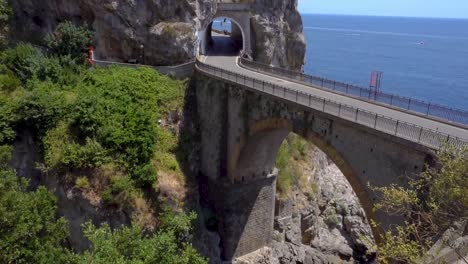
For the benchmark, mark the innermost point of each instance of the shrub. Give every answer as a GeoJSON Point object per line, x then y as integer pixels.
{"type": "Point", "coordinates": [5, 13]}
{"type": "Point", "coordinates": [69, 39]}
{"type": "Point", "coordinates": [23, 60]}
{"type": "Point", "coordinates": [145, 175]}
{"type": "Point", "coordinates": [41, 108]}
{"type": "Point", "coordinates": [133, 245]}
{"type": "Point", "coordinates": [121, 191]}
{"type": "Point", "coordinates": [5, 155]}
{"type": "Point", "coordinates": [7, 119]}
{"type": "Point", "coordinates": [29, 230]}
{"type": "Point", "coordinates": [8, 80]}
{"type": "Point", "coordinates": [82, 183]}
{"type": "Point", "coordinates": [432, 203]}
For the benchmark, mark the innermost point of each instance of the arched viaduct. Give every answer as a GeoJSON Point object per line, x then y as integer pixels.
{"type": "Point", "coordinates": [245, 114]}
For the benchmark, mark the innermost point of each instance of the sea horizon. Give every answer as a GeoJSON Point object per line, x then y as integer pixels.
{"type": "Point", "coordinates": [422, 58]}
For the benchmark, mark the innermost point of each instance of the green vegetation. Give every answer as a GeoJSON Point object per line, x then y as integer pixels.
{"type": "Point", "coordinates": [132, 245]}
{"type": "Point", "coordinates": [292, 156]}
{"type": "Point", "coordinates": [69, 40]}
{"type": "Point", "coordinates": [432, 203]}
{"type": "Point", "coordinates": [5, 14]}
{"type": "Point", "coordinates": [98, 130]}
{"type": "Point", "coordinates": [29, 229]}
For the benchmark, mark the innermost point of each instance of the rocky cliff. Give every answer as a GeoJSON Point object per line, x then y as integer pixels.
{"type": "Point", "coordinates": [161, 32]}
{"type": "Point", "coordinates": [327, 229]}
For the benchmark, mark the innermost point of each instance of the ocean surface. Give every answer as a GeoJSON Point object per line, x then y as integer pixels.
{"type": "Point", "coordinates": [422, 58]}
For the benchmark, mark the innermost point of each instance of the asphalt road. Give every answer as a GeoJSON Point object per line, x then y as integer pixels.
{"type": "Point", "coordinates": [223, 54]}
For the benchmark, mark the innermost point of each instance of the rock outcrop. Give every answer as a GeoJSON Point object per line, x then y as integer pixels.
{"type": "Point", "coordinates": [161, 32]}
{"type": "Point", "coordinates": [332, 222]}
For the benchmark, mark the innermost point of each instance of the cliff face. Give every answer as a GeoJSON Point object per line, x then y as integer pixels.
{"type": "Point", "coordinates": [161, 32]}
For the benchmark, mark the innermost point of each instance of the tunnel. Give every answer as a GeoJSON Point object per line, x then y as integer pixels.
{"type": "Point", "coordinates": [223, 36]}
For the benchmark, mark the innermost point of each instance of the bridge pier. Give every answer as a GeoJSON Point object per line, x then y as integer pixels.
{"type": "Point", "coordinates": [241, 130]}
{"type": "Point", "coordinates": [246, 213]}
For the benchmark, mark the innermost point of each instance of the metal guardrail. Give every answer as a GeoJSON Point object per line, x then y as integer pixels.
{"type": "Point", "coordinates": [427, 137]}
{"type": "Point", "coordinates": [406, 103]}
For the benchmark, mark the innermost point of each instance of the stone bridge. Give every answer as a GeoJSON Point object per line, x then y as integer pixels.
{"type": "Point", "coordinates": [245, 113]}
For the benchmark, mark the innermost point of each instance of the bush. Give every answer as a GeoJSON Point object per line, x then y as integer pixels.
{"type": "Point", "coordinates": [69, 39]}
{"type": "Point", "coordinates": [7, 119]}
{"type": "Point", "coordinates": [29, 230]}
{"type": "Point", "coordinates": [5, 13]}
{"type": "Point", "coordinates": [24, 60]}
{"type": "Point", "coordinates": [121, 192]}
{"type": "Point", "coordinates": [5, 155]}
{"type": "Point", "coordinates": [133, 245]}
{"type": "Point", "coordinates": [433, 202]}
{"type": "Point", "coordinates": [145, 175]}
{"type": "Point", "coordinates": [82, 183]}
{"type": "Point", "coordinates": [8, 80]}
{"type": "Point", "coordinates": [41, 108]}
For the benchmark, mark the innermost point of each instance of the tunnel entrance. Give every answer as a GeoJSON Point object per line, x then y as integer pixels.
{"type": "Point", "coordinates": [223, 37]}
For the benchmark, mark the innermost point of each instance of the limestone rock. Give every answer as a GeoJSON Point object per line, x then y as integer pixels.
{"type": "Point", "coordinates": [161, 32]}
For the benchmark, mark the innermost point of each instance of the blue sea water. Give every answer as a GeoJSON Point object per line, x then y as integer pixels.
{"type": "Point", "coordinates": [422, 58]}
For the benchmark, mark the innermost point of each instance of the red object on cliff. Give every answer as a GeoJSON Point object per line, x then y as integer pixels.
{"type": "Point", "coordinates": [91, 55]}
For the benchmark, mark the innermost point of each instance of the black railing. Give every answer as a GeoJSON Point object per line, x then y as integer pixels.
{"type": "Point", "coordinates": [427, 137]}
{"type": "Point", "coordinates": [406, 103]}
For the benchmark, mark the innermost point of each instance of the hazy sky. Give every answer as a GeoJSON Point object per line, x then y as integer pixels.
{"type": "Point", "coordinates": [412, 8]}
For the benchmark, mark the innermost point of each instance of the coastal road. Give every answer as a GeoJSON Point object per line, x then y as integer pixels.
{"type": "Point", "coordinates": [223, 54]}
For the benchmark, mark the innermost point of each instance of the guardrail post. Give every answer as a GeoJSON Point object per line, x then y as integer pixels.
{"type": "Point", "coordinates": [420, 134]}
{"type": "Point", "coordinates": [334, 85]}
{"type": "Point", "coordinates": [357, 113]}
{"type": "Point", "coordinates": [428, 108]}
{"type": "Point", "coordinates": [375, 123]}
{"type": "Point", "coordinates": [263, 85]}
{"type": "Point", "coordinates": [396, 127]}
{"type": "Point", "coordinates": [324, 102]}
{"type": "Point", "coordinates": [339, 110]}
{"type": "Point", "coordinates": [310, 100]}
{"type": "Point", "coordinates": [297, 96]}
{"type": "Point", "coordinates": [284, 92]}
{"type": "Point", "coordinates": [391, 100]}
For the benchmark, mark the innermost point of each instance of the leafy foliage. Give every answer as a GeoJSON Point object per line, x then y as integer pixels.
{"type": "Point", "coordinates": [132, 245]}
{"type": "Point", "coordinates": [431, 204]}
{"type": "Point", "coordinates": [292, 152]}
{"type": "Point", "coordinates": [5, 14]}
{"type": "Point", "coordinates": [29, 230]}
{"type": "Point", "coordinates": [69, 39]}
{"type": "Point", "coordinates": [99, 120]}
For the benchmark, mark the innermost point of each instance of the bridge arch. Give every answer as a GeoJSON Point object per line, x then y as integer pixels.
{"type": "Point", "coordinates": [255, 156]}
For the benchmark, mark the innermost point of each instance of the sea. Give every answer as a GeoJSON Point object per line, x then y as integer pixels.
{"type": "Point", "coordinates": [423, 58]}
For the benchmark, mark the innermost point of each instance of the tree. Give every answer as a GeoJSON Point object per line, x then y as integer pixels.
{"type": "Point", "coordinates": [30, 232]}
{"type": "Point", "coordinates": [432, 203]}
{"type": "Point", "coordinates": [68, 39]}
{"type": "Point", "coordinates": [132, 245]}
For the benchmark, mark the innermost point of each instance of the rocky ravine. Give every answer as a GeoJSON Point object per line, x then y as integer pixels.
{"type": "Point", "coordinates": [161, 32]}
{"type": "Point", "coordinates": [329, 227]}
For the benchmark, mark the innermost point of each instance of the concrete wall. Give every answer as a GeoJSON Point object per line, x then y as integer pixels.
{"type": "Point", "coordinates": [242, 130]}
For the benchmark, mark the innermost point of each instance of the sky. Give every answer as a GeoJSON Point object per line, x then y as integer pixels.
{"type": "Point", "coordinates": [409, 8]}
